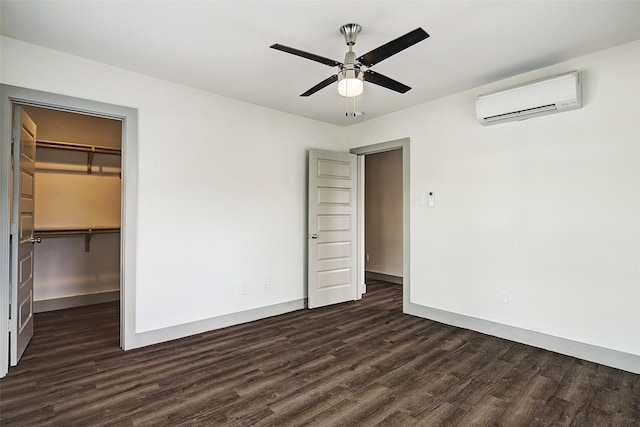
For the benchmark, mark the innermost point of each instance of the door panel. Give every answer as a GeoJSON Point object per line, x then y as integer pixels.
{"type": "Point", "coordinates": [332, 228]}
{"type": "Point", "coordinates": [22, 259]}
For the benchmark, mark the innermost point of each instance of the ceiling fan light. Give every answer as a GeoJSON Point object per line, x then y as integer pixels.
{"type": "Point", "coordinates": [350, 83]}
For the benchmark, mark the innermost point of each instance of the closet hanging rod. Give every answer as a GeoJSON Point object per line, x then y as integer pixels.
{"type": "Point", "coordinates": [43, 143]}
{"type": "Point", "coordinates": [86, 232]}
{"type": "Point", "coordinates": [75, 231]}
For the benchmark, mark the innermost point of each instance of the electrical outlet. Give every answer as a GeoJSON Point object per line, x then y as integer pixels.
{"type": "Point", "coordinates": [504, 297]}
{"type": "Point", "coordinates": [266, 287]}
{"type": "Point", "coordinates": [367, 257]}
{"type": "Point", "coordinates": [243, 289]}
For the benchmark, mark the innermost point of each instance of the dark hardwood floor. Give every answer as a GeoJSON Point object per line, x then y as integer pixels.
{"type": "Point", "coordinates": [354, 364]}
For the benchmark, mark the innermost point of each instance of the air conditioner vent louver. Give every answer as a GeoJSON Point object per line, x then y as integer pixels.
{"type": "Point", "coordinates": [517, 114]}
{"type": "Point", "coordinates": [547, 96]}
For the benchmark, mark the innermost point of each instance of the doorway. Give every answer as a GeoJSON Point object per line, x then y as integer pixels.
{"type": "Point", "coordinates": [77, 209]}
{"type": "Point", "coordinates": [11, 96]}
{"type": "Point", "coordinates": [383, 216]}
{"type": "Point", "coordinates": [401, 147]}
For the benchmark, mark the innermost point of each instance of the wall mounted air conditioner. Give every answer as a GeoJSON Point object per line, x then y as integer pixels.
{"type": "Point", "coordinates": [546, 96]}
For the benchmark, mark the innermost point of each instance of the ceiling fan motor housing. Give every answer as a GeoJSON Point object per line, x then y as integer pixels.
{"type": "Point", "coordinates": [350, 32]}
{"type": "Point", "coordinates": [350, 59]}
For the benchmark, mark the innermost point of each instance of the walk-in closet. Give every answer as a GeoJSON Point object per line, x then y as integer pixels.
{"type": "Point", "coordinates": [77, 209]}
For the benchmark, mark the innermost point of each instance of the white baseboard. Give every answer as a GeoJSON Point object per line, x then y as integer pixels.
{"type": "Point", "coordinates": [74, 301]}
{"type": "Point", "coordinates": [604, 356]}
{"type": "Point", "coordinates": [156, 336]}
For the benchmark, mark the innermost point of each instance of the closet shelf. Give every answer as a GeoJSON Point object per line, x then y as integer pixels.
{"type": "Point", "coordinates": [87, 232]}
{"type": "Point", "coordinates": [89, 149]}
{"type": "Point", "coordinates": [45, 143]}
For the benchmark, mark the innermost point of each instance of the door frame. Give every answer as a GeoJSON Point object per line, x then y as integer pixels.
{"type": "Point", "coordinates": [402, 144]}
{"type": "Point", "coordinates": [13, 95]}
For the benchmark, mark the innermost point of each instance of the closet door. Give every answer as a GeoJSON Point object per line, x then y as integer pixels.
{"type": "Point", "coordinates": [22, 239]}
{"type": "Point", "coordinates": [332, 240]}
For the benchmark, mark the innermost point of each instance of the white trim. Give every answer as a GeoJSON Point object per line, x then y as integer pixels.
{"type": "Point", "coordinates": [362, 284]}
{"type": "Point", "coordinates": [201, 326]}
{"type": "Point", "coordinates": [604, 356]}
{"type": "Point", "coordinates": [5, 192]}
{"type": "Point", "coordinates": [129, 117]}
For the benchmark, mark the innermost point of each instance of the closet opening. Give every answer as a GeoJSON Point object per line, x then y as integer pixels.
{"type": "Point", "coordinates": [384, 215]}
{"type": "Point", "coordinates": [18, 298]}
{"type": "Point", "coordinates": [77, 213]}
{"type": "Point", "coordinates": [383, 218]}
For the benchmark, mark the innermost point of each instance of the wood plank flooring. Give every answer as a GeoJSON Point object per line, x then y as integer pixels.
{"type": "Point", "coordinates": [355, 364]}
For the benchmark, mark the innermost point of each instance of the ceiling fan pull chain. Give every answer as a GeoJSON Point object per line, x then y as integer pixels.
{"type": "Point", "coordinates": [346, 107]}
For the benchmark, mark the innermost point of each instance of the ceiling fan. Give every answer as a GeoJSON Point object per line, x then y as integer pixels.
{"type": "Point", "coordinates": [353, 72]}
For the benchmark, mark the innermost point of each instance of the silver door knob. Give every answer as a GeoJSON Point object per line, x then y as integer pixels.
{"type": "Point", "coordinates": [314, 236]}
{"type": "Point", "coordinates": [36, 240]}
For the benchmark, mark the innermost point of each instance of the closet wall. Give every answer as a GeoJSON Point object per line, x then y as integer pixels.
{"type": "Point", "coordinates": [383, 216]}
{"type": "Point", "coordinates": [81, 267]}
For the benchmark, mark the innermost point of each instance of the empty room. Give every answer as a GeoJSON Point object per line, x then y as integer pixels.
{"type": "Point", "coordinates": [319, 213]}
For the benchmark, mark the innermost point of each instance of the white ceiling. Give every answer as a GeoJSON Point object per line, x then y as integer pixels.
{"type": "Point", "coordinates": [223, 46]}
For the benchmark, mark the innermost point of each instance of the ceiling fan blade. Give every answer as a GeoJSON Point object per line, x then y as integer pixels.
{"type": "Point", "coordinates": [326, 82]}
{"type": "Point", "coordinates": [302, 53]}
{"type": "Point", "coordinates": [394, 46]}
{"type": "Point", "coordinates": [384, 81]}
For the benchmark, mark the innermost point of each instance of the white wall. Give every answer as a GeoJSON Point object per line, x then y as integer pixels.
{"type": "Point", "coordinates": [547, 209]}
{"type": "Point", "coordinates": [64, 269]}
{"type": "Point", "coordinates": [221, 187]}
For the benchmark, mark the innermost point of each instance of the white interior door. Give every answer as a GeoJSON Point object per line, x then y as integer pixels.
{"type": "Point", "coordinates": [22, 239]}
{"type": "Point", "coordinates": [332, 228]}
